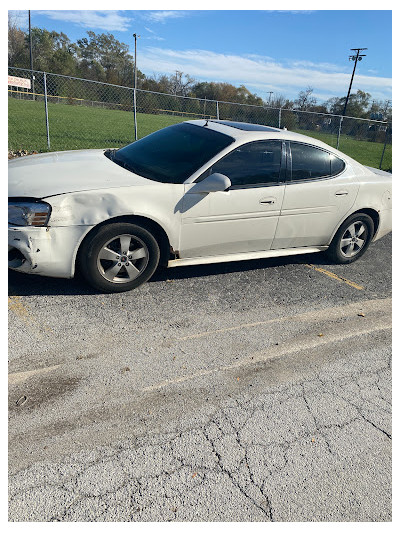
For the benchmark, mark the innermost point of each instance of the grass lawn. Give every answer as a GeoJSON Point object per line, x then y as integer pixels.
{"type": "Point", "coordinates": [76, 127]}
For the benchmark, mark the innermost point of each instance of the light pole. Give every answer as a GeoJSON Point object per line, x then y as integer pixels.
{"type": "Point", "coordinates": [357, 57]}
{"type": "Point", "coordinates": [269, 99]}
{"type": "Point", "coordinates": [30, 55]}
{"type": "Point", "coordinates": [134, 87]}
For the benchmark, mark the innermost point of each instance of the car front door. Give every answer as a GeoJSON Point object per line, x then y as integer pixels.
{"type": "Point", "coordinates": [320, 191]}
{"type": "Point", "coordinates": [243, 218]}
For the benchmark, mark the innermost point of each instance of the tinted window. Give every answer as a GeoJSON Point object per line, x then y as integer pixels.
{"type": "Point", "coordinates": [251, 164]}
{"type": "Point", "coordinates": [337, 165]}
{"type": "Point", "coordinates": [309, 162]}
{"type": "Point", "coordinates": [172, 154]}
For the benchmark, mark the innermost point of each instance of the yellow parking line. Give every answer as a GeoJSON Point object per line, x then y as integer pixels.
{"type": "Point", "coordinates": [16, 305]}
{"type": "Point", "coordinates": [337, 278]}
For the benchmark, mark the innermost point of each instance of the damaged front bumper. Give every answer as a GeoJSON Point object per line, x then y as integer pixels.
{"type": "Point", "coordinates": [47, 251]}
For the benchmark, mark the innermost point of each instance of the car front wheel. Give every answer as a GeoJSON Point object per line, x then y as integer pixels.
{"type": "Point", "coordinates": [352, 239]}
{"type": "Point", "coordinates": [119, 257]}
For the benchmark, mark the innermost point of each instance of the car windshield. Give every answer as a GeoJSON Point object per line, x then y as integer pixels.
{"type": "Point", "coordinates": [172, 154]}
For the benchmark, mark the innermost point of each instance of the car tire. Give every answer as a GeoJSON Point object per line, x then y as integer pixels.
{"type": "Point", "coordinates": [118, 257]}
{"type": "Point", "coordinates": [351, 239]}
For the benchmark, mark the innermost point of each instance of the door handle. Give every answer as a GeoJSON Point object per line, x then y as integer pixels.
{"type": "Point", "coordinates": [269, 201]}
{"type": "Point", "coordinates": [341, 193]}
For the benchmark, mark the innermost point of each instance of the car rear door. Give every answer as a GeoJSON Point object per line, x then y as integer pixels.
{"type": "Point", "coordinates": [320, 191]}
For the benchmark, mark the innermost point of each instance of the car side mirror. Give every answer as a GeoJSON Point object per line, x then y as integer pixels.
{"type": "Point", "coordinates": [213, 183]}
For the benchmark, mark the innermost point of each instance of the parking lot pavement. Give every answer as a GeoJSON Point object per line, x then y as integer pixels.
{"type": "Point", "coordinates": [256, 391]}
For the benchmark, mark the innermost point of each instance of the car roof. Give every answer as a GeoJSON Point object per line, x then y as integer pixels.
{"type": "Point", "coordinates": [242, 131]}
{"type": "Point", "coordinates": [245, 126]}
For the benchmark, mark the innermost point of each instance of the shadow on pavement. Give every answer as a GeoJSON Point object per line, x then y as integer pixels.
{"type": "Point", "coordinates": [30, 285]}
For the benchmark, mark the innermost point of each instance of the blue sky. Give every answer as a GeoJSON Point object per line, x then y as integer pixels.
{"type": "Point", "coordinates": [279, 51]}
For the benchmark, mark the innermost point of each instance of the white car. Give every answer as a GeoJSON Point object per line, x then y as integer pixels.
{"type": "Point", "coordinates": [193, 193]}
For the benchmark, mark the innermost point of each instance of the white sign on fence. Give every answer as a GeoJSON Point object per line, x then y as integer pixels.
{"type": "Point", "coordinates": [19, 82]}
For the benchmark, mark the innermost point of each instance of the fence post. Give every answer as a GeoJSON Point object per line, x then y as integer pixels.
{"type": "Point", "coordinates": [339, 131]}
{"type": "Point", "coordinates": [46, 109]}
{"type": "Point", "coordinates": [280, 118]}
{"type": "Point", "coordinates": [217, 110]}
{"type": "Point", "coordinates": [384, 147]}
{"type": "Point", "coordinates": [134, 112]}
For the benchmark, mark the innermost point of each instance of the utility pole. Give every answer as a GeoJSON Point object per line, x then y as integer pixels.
{"type": "Point", "coordinates": [355, 57]}
{"type": "Point", "coordinates": [269, 99]}
{"type": "Point", "coordinates": [134, 88]}
{"type": "Point", "coordinates": [30, 55]}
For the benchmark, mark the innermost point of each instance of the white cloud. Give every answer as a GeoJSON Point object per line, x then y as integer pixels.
{"type": "Point", "coordinates": [330, 67]}
{"type": "Point", "coordinates": [262, 74]}
{"type": "Point", "coordinates": [163, 16]}
{"type": "Point", "coordinates": [102, 20]}
{"type": "Point", "coordinates": [153, 35]}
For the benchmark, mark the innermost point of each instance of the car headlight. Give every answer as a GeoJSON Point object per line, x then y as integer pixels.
{"type": "Point", "coordinates": [28, 213]}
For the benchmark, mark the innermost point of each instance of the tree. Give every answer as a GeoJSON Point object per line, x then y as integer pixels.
{"type": "Point", "coordinates": [305, 100]}
{"type": "Point", "coordinates": [225, 92]}
{"type": "Point", "coordinates": [18, 53]}
{"type": "Point", "coordinates": [280, 101]}
{"type": "Point", "coordinates": [180, 84]}
{"type": "Point", "coordinates": [358, 105]}
{"type": "Point", "coordinates": [51, 51]}
{"type": "Point", "coordinates": [103, 58]}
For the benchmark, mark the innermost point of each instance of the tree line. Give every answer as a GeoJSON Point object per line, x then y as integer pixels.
{"type": "Point", "coordinates": [101, 57]}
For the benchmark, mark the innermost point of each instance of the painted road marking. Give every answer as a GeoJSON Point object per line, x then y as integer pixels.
{"type": "Point", "coordinates": [381, 324]}
{"type": "Point", "coordinates": [336, 277]}
{"type": "Point", "coordinates": [366, 306]}
{"type": "Point", "coordinates": [18, 377]}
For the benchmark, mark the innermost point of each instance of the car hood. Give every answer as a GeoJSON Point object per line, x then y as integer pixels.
{"type": "Point", "coordinates": [42, 175]}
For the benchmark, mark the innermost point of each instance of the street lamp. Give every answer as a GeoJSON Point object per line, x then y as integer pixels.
{"type": "Point", "coordinates": [134, 87]}
{"type": "Point", "coordinates": [30, 55]}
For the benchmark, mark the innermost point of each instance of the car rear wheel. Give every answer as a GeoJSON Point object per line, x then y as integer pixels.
{"type": "Point", "coordinates": [119, 257]}
{"type": "Point", "coordinates": [352, 239]}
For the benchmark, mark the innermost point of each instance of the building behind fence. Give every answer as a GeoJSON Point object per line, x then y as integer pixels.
{"type": "Point", "coordinates": [48, 128]}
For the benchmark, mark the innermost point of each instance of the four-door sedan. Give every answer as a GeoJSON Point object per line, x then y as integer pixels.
{"type": "Point", "coordinates": [193, 193]}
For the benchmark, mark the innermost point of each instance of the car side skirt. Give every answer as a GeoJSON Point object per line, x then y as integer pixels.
{"type": "Point", "coordinates": [244, 256]}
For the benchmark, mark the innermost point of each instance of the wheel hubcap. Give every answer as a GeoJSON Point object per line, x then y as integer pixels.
{"type": "Point", "coordinates": [122, 258]}
{"type": "Point", "coordinates": [353, 239]}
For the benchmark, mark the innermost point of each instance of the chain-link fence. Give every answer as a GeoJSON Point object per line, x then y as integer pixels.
{"type": "Point", "coordinates": [55, 112]}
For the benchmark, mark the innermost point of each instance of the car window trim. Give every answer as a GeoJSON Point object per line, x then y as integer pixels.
{"type": "Point", "coordinates": [282, 170]}
{"type": "Point", "coordinates": [290, 179]}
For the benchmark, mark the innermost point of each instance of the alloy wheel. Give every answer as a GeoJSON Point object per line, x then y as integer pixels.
{"type": "Point", "coordinates": [354, 239]}
{"type": "Point", "coordinates": [123, 258]}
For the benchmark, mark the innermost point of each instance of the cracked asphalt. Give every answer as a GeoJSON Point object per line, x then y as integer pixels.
{"type": "Point", "coordinates": [253, 391]}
